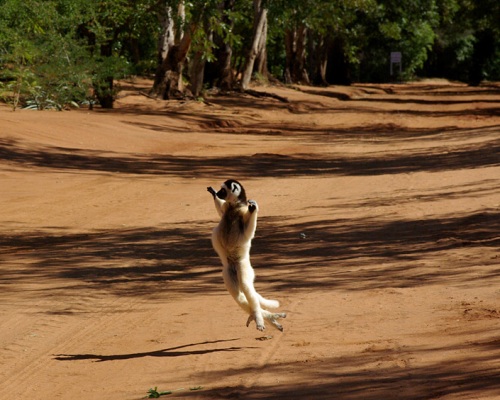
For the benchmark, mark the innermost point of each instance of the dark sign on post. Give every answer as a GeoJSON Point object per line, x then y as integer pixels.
{"type": "Point", "coordinates": [396, 58]}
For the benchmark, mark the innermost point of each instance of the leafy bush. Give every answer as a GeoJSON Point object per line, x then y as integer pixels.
{"type": "Point", "coordinates": [57, 53]}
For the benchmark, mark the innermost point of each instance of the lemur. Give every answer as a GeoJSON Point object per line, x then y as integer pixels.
{"type": "Point", "coordinates": [231, 240]}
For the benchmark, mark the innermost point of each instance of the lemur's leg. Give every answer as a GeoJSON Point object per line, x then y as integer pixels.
{"type": "Point", "coordinates": [246, 277]}
{"type": "Point", "coordinates": [232, 286]}
{"type": "Point", "coordinates": [230, 273]}
{"type": "Point", "coordinates": [243, 295]}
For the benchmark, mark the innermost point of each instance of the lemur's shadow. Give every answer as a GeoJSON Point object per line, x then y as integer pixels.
{"type": "Point", "coordinates": [169, 352]}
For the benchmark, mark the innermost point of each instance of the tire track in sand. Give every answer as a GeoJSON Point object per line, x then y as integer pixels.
{"type": "Point", "coordinates": [271, 348]}
{"type": "Point", "coordinates": [37, 337]}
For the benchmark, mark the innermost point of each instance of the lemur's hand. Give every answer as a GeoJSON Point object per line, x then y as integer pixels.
{"type": "Point", "coordinates": [252, 206]}
{"type": "Point", "coordinates": [212, 191]}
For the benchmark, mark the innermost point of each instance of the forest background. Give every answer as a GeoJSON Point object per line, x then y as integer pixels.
{"type": "Point", "coordinates": [60, 53]}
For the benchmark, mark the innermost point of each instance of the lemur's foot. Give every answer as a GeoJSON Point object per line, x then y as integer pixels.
{"type": "Point", "coordinates": [271, 317]}
{"type": "Point", "coordinates": [259, 321]}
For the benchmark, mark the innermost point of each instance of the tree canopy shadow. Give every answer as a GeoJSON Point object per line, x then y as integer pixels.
{"type": "Point", "coordinates": [128, 262]}
{"type": "Point", "coordinates": [424, 95]}
{"type": "Point", "coordinates": [347, 254]}
{"type": "Point", "coordinates": [385, 374]}
{"type": "Point", "coordinates": [365, 254]}
{"type": "Point", "coordinates": [476, 155]}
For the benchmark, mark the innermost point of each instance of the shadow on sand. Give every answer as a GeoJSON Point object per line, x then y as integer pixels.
{"type": "Point", "coordinates": [467, 156]}
{"type": "Point", "coordinates": [178, 351]}
{"type": "Point", "coordinates": [327, 254]}
{"type": "Point", "coordinates": [337, 254]}
{"type": "Point", "coordinates": [383, 374]}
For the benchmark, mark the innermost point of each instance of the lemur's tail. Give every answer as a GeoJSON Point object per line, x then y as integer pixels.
{"type": "Point", "coordinates": [265, 303]}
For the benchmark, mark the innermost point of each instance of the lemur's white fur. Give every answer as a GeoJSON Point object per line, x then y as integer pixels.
{"type": "Point", "coordinates": [231, 240]}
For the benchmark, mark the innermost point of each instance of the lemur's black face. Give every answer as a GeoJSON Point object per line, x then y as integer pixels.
{"type": "Point", "coordinates": [222, 194]}
{"type": "Point", "coordinates": [232, 192]}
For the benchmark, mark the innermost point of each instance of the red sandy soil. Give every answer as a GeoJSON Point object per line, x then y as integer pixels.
{"type": "Point", "coordinates": [379, 233]}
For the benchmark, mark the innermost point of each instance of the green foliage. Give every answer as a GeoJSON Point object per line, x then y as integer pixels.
{"type": "Point", "coordinates": [407, 27]}
{"type": "Point", "coordinates": [59, 53]}
{"type": "Point", "coordinates": [40, 62]}
{"type": "Point", "coordinates": [438, 37]}
{"type": "Point", "coordinates": [155, 394]}
{"type": "Point", "coordinates": [467, 41]}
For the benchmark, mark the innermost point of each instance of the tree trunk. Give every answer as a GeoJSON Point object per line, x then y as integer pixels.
{"type": "Point", "coordinates": [337, 71]}
{"type": "Point", "coordinates": [197, 67]}
{"type": "Point", "coordinates": [226, 79]}
{"type": "Point", "coordinates": [260, 66]}
{"type": "Point", "coordinates": [166, 39]}
{"type": "Point", "coordinates": [219, 73]}
{"type": "Point", "coordinates": [484, 49]}
{"type": "Point", "coordinates": [295, 47]}
{"type": "Point", "coordinates": [172, 55]}
{"type": "Point", "coordinates": [318, 59]}
{"type": "Point", "coordinates": [260, 23]}
{"type": "Point", "coordinates": [103, 91]}
{"type": "Point", "coordinates": [172, 86]}
{"type": "Point", "coordinates": [104, 86]}
{"type": "Point", "coordinates": [300, 64]}
{"type": "Point", "coordinates": [289, 54]}
{"type": "Point", "coordinates": [166, 42]}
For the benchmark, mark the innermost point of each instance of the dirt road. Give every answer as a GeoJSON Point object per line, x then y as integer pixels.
{"type": "Point", "coordinates": [379, 233]}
